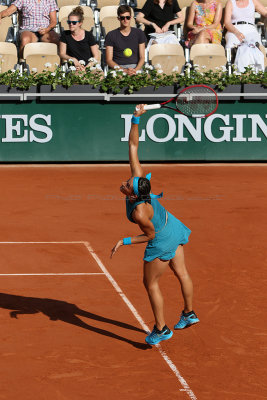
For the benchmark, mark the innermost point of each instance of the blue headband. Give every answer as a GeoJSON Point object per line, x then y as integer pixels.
{"type": "Point", "coordinates": [136, 191]}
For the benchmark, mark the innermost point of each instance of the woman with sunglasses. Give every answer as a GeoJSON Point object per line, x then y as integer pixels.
{"type": "Point", "coordinates": [164, 235]}
{"type": "Point", "coordinates": [76, 43]}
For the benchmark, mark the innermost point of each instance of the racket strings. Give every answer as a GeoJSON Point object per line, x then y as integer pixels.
{"type": "Point", "coordinates": [197, 100]}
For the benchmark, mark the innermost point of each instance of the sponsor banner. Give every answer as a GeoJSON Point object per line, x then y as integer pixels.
{"type": "Point", "coordinates": [91, 131]}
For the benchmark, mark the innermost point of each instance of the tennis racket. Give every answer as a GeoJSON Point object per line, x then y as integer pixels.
{"type": "Point", "coordinates": [193, 101]}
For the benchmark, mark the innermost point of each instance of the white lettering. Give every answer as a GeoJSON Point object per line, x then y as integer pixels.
{"type": "Point", "coordinates": [195, 131]}
{"type": "Point", "coordinates": [226, 130]}
{"type": "Point", "coordinates": [40, 128]}
{"type": "Point", "coordinates": [256, 121]}
{"type": "Point", "coordinates": [10, 128]}
{"type": "Point", "coordinates": [171, 128]}
{"type": "Point", "coordinates": [239, 128]}
{"type": "Point", "coordinates": [127, 127]}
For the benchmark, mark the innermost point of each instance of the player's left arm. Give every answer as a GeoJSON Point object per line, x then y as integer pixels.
{"type": "Point", "coordinates": [141, 217]}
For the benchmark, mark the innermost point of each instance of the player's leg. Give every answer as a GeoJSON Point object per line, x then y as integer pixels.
{"type": "Point", "coordinates": [177, 264]}
{"type": "Point", "coordinates": [152, 273]}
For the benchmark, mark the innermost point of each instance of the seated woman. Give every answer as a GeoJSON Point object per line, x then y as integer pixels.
{"type": "Point", "coordinates": [239, 21]}
{"type": "Point", "coordinates": [76, 43]}
{"type": "Point", "coordinates": [159, 16]}
{"type": "Point", "coordinates": [204, 21]}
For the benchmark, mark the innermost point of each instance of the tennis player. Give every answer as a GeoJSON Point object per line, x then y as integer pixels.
{"type": "Point", "coordinates": [165, 236]}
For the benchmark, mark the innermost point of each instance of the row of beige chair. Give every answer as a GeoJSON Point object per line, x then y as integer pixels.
{"type": "Point", "coordinates": [42, 56]}
{"type": "Point", "coordinates": [206, 56]}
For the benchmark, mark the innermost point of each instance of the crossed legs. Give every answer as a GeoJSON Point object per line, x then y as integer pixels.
{"type": "Point", "coordinates": [152, 273]}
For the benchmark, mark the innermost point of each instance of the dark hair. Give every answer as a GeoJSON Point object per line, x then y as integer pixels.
{"type": "Point", "coordinates": [169, 2]}
{"type": "Point", "coordinates": [144, 189]}
{"type": "Point", "coordinates": [77, 12]}
{"type": "Point", "coordinates": [123, 9]}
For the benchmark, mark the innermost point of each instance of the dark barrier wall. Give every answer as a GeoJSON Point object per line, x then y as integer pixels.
{"type": "Point", "coordinates": [94, 131]}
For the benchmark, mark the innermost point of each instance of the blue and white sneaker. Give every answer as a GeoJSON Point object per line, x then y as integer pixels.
{"type": "Point", "coordinates": [186, 320]}
{"type": "Point", "coordinates": [157, 336]}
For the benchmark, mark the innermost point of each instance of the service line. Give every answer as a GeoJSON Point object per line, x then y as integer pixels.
{"type": "Point", "coordinates": [166, 358]}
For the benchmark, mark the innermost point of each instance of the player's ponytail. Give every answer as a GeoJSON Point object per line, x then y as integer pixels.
{"type": "Point", "coordinates": [77, 12]}
{"type": "Point", "coordinates": [144, 189]}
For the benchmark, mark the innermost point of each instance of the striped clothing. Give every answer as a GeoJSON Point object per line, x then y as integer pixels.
{"type": "Point", "coordinates": [34, 14]}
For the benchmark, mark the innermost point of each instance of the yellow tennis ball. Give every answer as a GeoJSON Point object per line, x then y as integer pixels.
{"type": "Point", "coordinates": [127, 52]}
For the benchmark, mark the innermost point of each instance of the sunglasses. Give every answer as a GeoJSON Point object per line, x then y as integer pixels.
{"type": "Point", "coordinates": [122, 18]}
{"type": "Point", "coordinates": [72, 22]}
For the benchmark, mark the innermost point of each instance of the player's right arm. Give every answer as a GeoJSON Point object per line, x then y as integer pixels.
{"type": "Point", "coordinates": [136, 168]}
{"type": "Point", "coordinates": [8, 11]}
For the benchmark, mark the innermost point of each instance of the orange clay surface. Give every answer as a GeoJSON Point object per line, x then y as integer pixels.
{"type": "Point", "coordinates": [72, 337]}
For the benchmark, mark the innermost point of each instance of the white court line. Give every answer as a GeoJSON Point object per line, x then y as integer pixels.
{"type": "Point", "coordinates": [169, 362]}
{"type": "Point", "coordinates": [41, 242]}
{"type": "Point", "coordinates": [57, 273]}
{"type": "Point", "coordinates": [126, 165]}
{"type": "Point", "coordinates": [171, 365]}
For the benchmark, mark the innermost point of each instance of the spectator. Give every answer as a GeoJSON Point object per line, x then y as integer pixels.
{"type": "Point", "coordinates": [125, 38]}
{"type": "Point", "coordinates": [204, 21]}
{"type": "Point", "coordinates": [239, 21]}
{"type": "Point", "coordinates": [37, 21]}
{"type": "Point", "coordinates": [159, 16]}
{"type": "Point", "coordinates": [77, 43]}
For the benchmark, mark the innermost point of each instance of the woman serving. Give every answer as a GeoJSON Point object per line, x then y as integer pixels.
{"type": "Point", "coordinates": [165, 236]}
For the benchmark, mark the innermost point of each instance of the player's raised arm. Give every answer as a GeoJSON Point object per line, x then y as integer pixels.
{"type": "Point", "coordinates": [136, 168]}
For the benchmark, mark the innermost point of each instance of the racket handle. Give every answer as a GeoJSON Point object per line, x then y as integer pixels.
{"type": "Point", "coordinates": [150, 107]}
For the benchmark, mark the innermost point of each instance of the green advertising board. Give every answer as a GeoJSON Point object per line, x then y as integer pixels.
{"type": "Point", "coordinates": [92, 131]}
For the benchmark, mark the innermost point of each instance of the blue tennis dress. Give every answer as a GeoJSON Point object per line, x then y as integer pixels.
{"type": "Point", "coordinates": [170, 232]}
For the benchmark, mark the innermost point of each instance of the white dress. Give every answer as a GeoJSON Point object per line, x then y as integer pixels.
{"type": "Point", "coordinates": [245, 14]}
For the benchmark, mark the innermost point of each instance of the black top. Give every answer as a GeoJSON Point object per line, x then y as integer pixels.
{"type": "Point", "coordinates": [160, 16]}
{"type": "Point", "coordinates": [80, 49]}
{"type": "Point", "coordinates": [119, 42]}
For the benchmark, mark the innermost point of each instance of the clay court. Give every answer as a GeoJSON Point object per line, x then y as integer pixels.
{"type": "Point", "coordinates": [73, 321]}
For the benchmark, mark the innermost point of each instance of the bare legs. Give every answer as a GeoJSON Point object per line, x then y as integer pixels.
{"type": "Point", "coordinates": [177, 264]}
{"type": "Point", "coordinates": [30, 37]}
{"type": "Point", "coordinates": [25, 38]}
{"type": "Point", "coordinates": [203, 37]}
{"type": "Point", "coordinates": [152, 273]}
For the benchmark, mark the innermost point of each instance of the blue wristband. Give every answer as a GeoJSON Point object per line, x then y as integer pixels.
{"type": "Point", "coordinates": [127, 241]}
{"type": "Point", "coordinates": [135, 120]}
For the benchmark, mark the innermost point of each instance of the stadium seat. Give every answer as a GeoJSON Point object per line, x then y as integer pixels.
{"type": "Point", "coordinates": [184, 3]}
{"type": "Point", "coordinates": [37, 55]}
{"type": "Point", "coordinates": [62, 3]}
{"type": "Point", "coordinates": [109, 20]}
{"type": "Point", "coordinates": [208, 56]}
{"type": "Point", "coordinates": [183, 28]}
{"type": "Point", "coordinates": [167, 56]}
{"type": "Point", "coordinates": [6, 25]}
{"type": "Point", "coordinates": [140, 4]}
{"type": "Point", "coordinates": [8, 56]}
{"type": "Point", "coordinates": [64, 11]}
{"type": "Point", "coordinates": [105, 3]}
